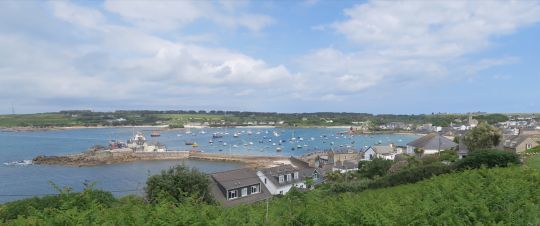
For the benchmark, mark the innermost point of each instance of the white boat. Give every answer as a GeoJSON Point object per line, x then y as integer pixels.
{"type": "Point", "coordinates": [19, 163]}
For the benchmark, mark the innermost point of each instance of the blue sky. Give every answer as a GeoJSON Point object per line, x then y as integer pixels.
{"type": "Point", "coordinates": [280, 56]}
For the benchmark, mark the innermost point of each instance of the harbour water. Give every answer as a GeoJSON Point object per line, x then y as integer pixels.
{"type": "Point", "coordinates": [20, 181]}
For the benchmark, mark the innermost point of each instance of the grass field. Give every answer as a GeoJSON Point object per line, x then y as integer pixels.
{"type": "Point", "coordinates": [533, 162]}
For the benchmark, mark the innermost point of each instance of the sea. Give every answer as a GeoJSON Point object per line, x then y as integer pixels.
{"type": "Point", "coordinates": [21, 179]}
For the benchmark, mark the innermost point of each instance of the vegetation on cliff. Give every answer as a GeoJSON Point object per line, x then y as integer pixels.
{"type": "Point", "coordinates": [455, 194]}
{"type": "Point", "coordinates": [482, 196]}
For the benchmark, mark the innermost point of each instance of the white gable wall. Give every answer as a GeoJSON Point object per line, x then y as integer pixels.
{"type": "Point", "coordinates": [276, 189]}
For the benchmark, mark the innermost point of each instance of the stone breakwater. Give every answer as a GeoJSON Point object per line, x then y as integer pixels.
{"type": "Point", "coordinates": [103, 157]}
{"type": "Point", "coordinates": [91, 158]}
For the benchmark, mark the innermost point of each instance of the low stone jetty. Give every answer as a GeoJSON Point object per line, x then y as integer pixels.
{"type": "Point", "coordinates": [103, 157]}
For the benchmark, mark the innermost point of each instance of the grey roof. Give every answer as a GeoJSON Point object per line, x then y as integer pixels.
{"type": "Point", "coordinates": [236, 178]}
{"type": "Point", "coordinates": [433, 141]}
{"type": "Point", "coordinates": [221, 198]}
{"type": "Point", "coordinates": [298, 162]}
{"type": "Point", "coordinates": [273, 174]}
{"type": "Point", "coordinates": [383, 149]}
{"type": "Point", "coordinates": [514, 141]}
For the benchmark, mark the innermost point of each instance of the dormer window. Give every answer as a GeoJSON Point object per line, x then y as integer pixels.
{"type": "Point", "coordinates": [232, 194]}
{"type": "Point", "coordinates": [254, 189]}
{"type": "Point", "coordinates": [281, 179]}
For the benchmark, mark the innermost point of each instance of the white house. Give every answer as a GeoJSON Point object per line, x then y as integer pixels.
{"type": "Point", "coordinates": [386, 152]}
{"type": "Point", "coordinates": [430, 144]}
{"type": "Point", "coordinates": [345, 166]}
{"type": "Point", "coordinates": [280, 179]}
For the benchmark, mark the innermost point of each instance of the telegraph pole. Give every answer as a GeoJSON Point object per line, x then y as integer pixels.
{"type": "Point", "coordinates": [266, 218]}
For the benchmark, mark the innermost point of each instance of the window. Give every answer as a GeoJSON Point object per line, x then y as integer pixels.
{"type": "Point", "coordinates": [281, 192]}
{"type": "Point", "coordinates": [233, 194]}
{"type": "Point", "coordinates": [289, 176]}
{"type": "Point", "coordinates": [529, 146]}
{"type": "Point", "coordinates": [281, 179]}
{"type": "Point", "coordinates": [315, 175]}
{"type": "Point", "coordinates": [264, 180]}
{"type": "Point", "coordinates": [244, 192]}
{"type": "Point", "coordinates": [254, 189]}
{"type": "Point", "coordinates": [296, 175]}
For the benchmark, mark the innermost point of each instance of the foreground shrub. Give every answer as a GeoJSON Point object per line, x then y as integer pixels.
{"type": "Point", "coordinates": [411, 175]}
{"type": "Point", "coordinates": [177, 184]}
{"type": "Point", "coordinates": [65, 200]}
{"type": "Point", "coordinates": [487, 158]}
{"type": "Point", "coordinates": [500, 196]}
{"type": "Point", "coordinates": [377, 167]}
{"type": "Point", "coordinates": [351, 186]}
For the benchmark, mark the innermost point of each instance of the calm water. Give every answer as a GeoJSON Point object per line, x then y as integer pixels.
{"type": "Point", "coordinates": [34, 180]}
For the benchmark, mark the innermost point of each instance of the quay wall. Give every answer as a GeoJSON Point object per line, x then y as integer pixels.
{"type": "Point", "coordinates": [162, 155]}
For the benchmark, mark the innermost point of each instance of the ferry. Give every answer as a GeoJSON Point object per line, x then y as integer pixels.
{"type": "Point", "coordinates": [189, 142]}
{"type": "Point", "coordinates": [155, 134]}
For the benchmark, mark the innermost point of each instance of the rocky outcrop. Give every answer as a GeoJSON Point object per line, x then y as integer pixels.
{"type": "Point", "coordinates": [91, 158]}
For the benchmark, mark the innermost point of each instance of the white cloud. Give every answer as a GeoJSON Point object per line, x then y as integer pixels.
{"type": "Point", "coordinates": [414, 43]}
{"type": "Point", "coordinates": [434, 28]}
{"type": "Point", "coordinates": [172, 15]}
{"type": "Point", "coordinates": [78, 15]}
{"type": "Point", "coordinates": [129, 64]}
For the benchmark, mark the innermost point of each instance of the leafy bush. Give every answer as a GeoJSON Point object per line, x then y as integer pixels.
{"type": "Point", "coordinates": [489, 158]}
{"type": "Point", "coordinates": [534, 150]}
{"type": "Point", "coordinates": [351, 186]}
{"type": "Point", "coordinates": [65, 200]}
{"type": "Point", "coordinates": [412, 175]}
{"type": "Point", "coordinates": [177, 184]}
{"type": "Point", "coordinates": [448, 155]}
{"type": "Point", "coordinates": [481, 137]}
{"type": "Point", "coordinates": [377, 167]}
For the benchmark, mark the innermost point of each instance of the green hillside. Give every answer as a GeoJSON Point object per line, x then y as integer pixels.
{"type": "Point", "coordinates": [505, 196]}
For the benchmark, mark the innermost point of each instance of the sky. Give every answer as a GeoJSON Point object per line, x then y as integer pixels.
{"type": "Point", "coordinates": [396, 57]}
